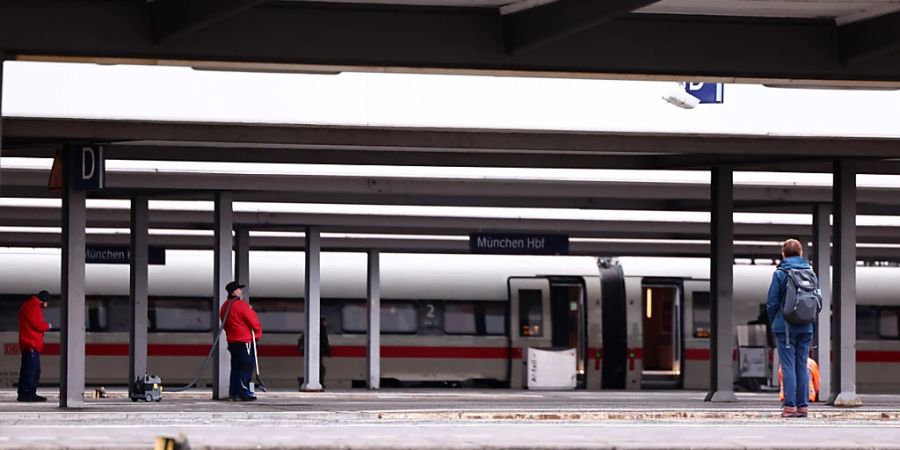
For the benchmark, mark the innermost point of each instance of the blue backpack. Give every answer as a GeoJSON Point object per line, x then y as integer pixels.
{"type": "Point", "coordinates": [802, 297]}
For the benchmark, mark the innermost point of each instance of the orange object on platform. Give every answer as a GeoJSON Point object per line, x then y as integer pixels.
{"type": "Point", "coordinates": [813, 367]}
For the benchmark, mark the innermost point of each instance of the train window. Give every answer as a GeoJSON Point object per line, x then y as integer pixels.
{"type": "Point", "coordinates": [531, 313]}
{"type": "Point", "coordinates": [279, 315]}
{"type": "Point", "coordinates": [396, 318]}
{"type": "Point", "coordinates": [95, 315]}
{"type": "Point", "coordinates": [889, 323]}
{"type": "Point", "coordinates": [701, 315]}
{"type": "Point", "coordinates": [459, 318]}
{"type": "Point", "coordinates": [52, 313]}
{"type": "Point", "coordinates": [354, 318]}
{"type": "Point", "coordinates": [866, 322]}
{"type": "Point", "coordinates": [494, 318]}
{"type": "Point", "coordinates": [11, 303]}
{"type": "Point", "coordinates": [118, 315]}
{"type": "Point", "coordinates": [180, 314]}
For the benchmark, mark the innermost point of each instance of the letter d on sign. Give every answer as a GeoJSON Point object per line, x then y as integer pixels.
{"type": "Point", "coordinates": [88, 163]}
{"type": "Point", "coordinates": [86, 166]}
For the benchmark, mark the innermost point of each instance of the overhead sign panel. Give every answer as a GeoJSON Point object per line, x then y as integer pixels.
{"type": "Point", "coordinates": [706, 92]}
{"type": "Point", "coordinates": [88, 168]}
{"type": "Point", "coordinates": [121, 255]}
{"type": "Point", "coordinates": [519, 244]}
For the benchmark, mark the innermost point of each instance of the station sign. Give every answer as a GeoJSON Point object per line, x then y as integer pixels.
{"type": "Point", "coordinates": [121, 255]}
{"type": "Point", "coordinates": [519, 244]}
{"type": "Point", "coordinates": [706, 92]}
{"type": "Point", "coordinates": [88, 168]}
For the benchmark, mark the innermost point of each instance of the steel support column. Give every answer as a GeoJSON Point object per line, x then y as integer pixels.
{"type": "Point", "coordinates": [242, 259]}
{"type": "Point", "coordinates": [312, 308]}
{"type": "Point", "coordinates": [222, 274]}
{"type": "Point", "coordinates": [2, 62]}
{"type": "Point", "coordinates": [137, 332]}
{"type": "Point", "coordinates": [72, 357]}
{"type": "Point", "coordinates": [822, 265]}
{"type": "Point", "coordinates": [843, 392]}
{"type": "Point", "coordinates": [373, 350]}
{"type": "Point", "coordinates": [721, 286]}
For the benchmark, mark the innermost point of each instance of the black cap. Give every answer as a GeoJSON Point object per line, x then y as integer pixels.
{"type": "Point", "coordinates": [44, 296]}
{"type": "Point", "coordinates": [232, 286]}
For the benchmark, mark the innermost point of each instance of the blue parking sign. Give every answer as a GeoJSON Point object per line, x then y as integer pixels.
{"type": "Point", "coordinates": [706, 92]}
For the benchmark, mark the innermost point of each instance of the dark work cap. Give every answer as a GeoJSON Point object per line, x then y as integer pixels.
{"type": "Point", "coordinates": [232, 286]}
{"type": "Point", "coordinates": [44, 296]}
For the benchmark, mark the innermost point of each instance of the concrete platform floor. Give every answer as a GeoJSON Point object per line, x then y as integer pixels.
{"type": "Point", "coordinates": [448, 419]}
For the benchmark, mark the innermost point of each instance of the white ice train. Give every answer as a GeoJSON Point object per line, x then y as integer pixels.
{"type": "Point", "coordinates": [446, 319]}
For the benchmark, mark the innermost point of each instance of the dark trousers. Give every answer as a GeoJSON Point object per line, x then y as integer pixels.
{"type": "Point", "coordinates": [241, 369]}
{"type": "Point", "coordinates": [29, 373]}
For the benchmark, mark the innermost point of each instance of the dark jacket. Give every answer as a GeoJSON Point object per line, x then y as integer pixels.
{"type": "Point", "coordinates": [776, 297]}
{"type": "Point", "coordinates": [241, 320]}
{"type": "Point", "coordinates": [324, 345]}
{"type": "Point", "coordinates": [32, 325]}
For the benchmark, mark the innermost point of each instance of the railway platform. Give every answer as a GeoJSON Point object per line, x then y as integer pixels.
{"type": "Point", "coordinates": [448, 419]}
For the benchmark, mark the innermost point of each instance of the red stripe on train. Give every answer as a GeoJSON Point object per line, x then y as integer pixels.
{"type": "Point", "coordinates": [351, 351]}
{"type": "Point", "coordinates": [863, 356]}
{"type": "Point", "coordinates": [338, 351]}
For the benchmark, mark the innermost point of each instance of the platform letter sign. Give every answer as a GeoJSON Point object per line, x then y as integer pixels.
{"type": "Point", "coordinates": [519, 244]}
{"type": "Point", "coordinates": [706, 92]}
{"type": "Point", "coordinates": [88, 170]}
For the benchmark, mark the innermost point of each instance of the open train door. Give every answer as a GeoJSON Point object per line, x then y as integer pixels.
{"type": "Point", "coordinates": [529, 315]}
{"type": "Point", "coordinates": [663, 339]}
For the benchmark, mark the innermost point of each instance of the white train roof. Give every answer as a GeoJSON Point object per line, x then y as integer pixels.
{"type": "Point", "coordinates": [280, 274]}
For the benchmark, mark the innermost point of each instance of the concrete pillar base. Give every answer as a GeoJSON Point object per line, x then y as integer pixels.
{"type": "Point", "coordinates": [312, 388]}
{"type": "Point", "coordinates": [846, 400]}
{"type": "Point", "coordinates": [721, 397]}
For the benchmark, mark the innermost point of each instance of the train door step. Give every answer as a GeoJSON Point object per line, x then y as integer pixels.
{"type": "Point", "coordinates": [659, 380]}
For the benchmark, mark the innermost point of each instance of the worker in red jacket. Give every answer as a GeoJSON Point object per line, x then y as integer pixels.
{"type": "Point", "coordinates": [240, 324]}
{"type": "Point", "coordinates": [31, 343]}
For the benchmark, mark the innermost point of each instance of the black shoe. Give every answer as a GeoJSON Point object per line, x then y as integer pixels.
{"type": "Point", "coordinates": [31, 399]}
{"type": "Point", "coordinates": [40, 398]}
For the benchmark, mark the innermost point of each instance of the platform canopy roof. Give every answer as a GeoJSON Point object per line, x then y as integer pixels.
{"type": "Point", "coordinates": [458, 147]}
{"type": "Point", "coordinates": [828, 42]}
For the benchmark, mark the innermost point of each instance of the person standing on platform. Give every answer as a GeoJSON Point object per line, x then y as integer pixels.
{"type": "Point", "coordinates": [239, 325]}
{"type": "Point", "coordinates": [792, 339]}
{"type": "Point", "coordinates": [32, 327]}
{"type": "Point", "coordinates": [324, 349]}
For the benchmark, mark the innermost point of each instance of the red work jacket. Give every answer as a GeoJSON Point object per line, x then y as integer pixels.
{"type": "Point", "coordinates": [32, 325]}
{"type": "Point", "coordinates": [241, 320]}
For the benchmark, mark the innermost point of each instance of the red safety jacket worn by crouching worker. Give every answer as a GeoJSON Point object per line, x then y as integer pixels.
{"type": "Point", "coordinates": [32, 325]}
{"type": "Point", "coordinates": [241, 320]}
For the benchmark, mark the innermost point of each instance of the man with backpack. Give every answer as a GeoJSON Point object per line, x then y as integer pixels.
{"type": "Point", "coordinates": [793, 304]}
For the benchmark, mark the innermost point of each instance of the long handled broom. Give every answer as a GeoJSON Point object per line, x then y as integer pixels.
{"type": "Point", "coordinates": [259, 381]}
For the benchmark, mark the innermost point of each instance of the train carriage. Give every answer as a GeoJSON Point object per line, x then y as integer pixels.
{"type": "Point", "coordinates": [636, 323]}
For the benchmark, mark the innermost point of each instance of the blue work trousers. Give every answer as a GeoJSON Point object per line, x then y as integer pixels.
{"type": "Point", "coordinates": [242, 367]}
{"type": "Point", "coordinates": [29, 373]}
{"type": "Point", "coordinates": [793, 350]}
